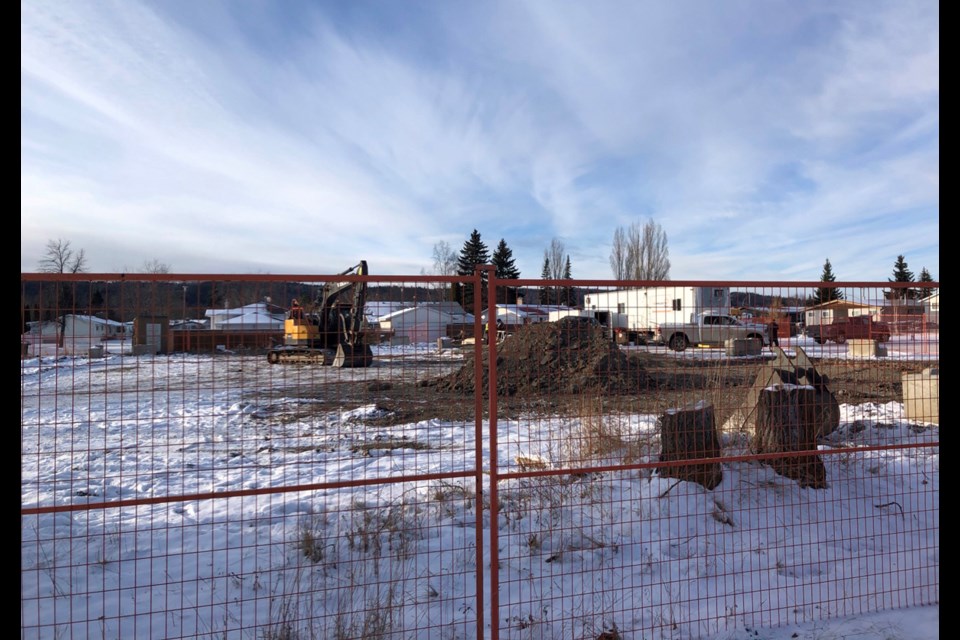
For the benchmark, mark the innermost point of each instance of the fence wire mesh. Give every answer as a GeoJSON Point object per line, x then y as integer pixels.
{"type": "Point", "coordinates": [539, 459]}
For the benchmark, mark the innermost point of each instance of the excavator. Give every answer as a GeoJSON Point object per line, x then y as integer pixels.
{"type": "Point", "coordinates": [331, 331]}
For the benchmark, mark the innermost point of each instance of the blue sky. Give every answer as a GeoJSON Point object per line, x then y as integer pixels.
{"type": "Point", "coordinates": [300, 137]}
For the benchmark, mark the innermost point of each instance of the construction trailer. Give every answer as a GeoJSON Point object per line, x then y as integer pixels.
{"type": "Point", "coordinates": [645, 308]}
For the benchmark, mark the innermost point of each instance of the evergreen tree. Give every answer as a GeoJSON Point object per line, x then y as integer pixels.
{"type": "Point", "coordinates": [506, 269]}
{"type": "Point", "coordinates": [546, 293]}
{"type": "Point", "coordinates": [926, 277]}
{"type": "Point", "coordinates": [826, 294]}
{"type": "Point", "coordinates": [569, 295]}
{"type": "Point", "coordinates": [553, 264]}
{"type": "Point", "coordinates": [901, 274]}
{"type": "Point", "coordinates": [474, 252]}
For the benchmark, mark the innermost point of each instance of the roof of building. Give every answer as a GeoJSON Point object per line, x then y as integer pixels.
{"type": "Point", "coordinates": [840, 304]}
{"type": "Point", "coordinates": [97, 320]}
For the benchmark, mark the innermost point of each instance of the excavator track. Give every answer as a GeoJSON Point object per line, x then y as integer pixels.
{"type": "Point", "coordinates": [300, 356]}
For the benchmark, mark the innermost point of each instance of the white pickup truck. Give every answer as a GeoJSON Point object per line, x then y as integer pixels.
{"type": "Point", "coordinates": [713, 329]}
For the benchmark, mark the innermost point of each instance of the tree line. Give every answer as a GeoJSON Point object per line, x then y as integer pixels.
{"type": "Point", "coordinates": [901, 273]}
{"type": "Point", "coordinates": [638, 252]}
{"type": "Point", "coordinates": [59, 256]}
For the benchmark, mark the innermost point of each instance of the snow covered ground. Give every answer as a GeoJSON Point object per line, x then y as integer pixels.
{"type": "Point", "coordinates": [925, 346]}
{"type": "Point", "coordinates": [627, 553]}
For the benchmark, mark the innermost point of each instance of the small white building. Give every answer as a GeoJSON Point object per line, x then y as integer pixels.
{"type": "Point", "coordinates": [42, 331]}
{"type": "Point", "coordinates": [514, 315]}
{"type": "Point", "coordinates": [188, 325]}
{"type": "Point", "coordinates": [931, 307]}
{"type": "Point", "coordinates": [75, 334]}
{"type": "Point", "coordinates": [258, 316]}
{"type": "Point", "coordinates": [425, 322]}
{"type": "Point", "coordinates": [373, 310]}
{"type": "Point", "coordinates": [80, 333]}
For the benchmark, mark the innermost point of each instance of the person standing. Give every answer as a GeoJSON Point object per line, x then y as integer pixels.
{"type": "Point", "coordinates": [774, 328]}
{"type": "Point", "coordinates": [296, 311]}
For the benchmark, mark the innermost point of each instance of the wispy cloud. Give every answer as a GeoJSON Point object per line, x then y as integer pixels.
{"type": "Point", "coordinates": [302, 137]}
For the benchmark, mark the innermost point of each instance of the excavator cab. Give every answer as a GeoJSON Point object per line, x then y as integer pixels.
{"type": "Point", "coordinates": [331, 332]}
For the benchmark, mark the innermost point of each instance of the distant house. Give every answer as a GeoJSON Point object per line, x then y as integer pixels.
{"type": "Point", "coordinates": [93, 328]}
{"type": "Point", "coordinates": [74, 334]}
{"type": "Point", "coordinates": [931, 307]}
{"type": "Point", "coordinates": [47, 331]}
{"type": "Point", "coordinates": [80, 332]}
{"type": "Point", "coordinates": [259, 316]}
{"type": "Point", "coordinates": [188, 325]}
{"type": "Point", "coordinates": [838, 311]}
{"type": "Point", "coordinates": [425, 322]}
{"type": "Point", "coordinates": [903, 315]}
{"type": "Point", "coordinates": [514, 315]}
{"type": "Point", "coordinates": [373, 310]}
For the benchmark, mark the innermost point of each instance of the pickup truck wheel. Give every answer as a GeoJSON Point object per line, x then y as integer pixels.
{"type": "Point", "coordinates": [841, 337]}
{"type": "Point", "coordinates": [678, 342]}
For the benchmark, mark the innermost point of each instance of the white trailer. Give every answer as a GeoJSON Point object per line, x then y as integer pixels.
{"type": "Point", "coordinates": [614, 323]}
{"type": "Point", "coordinates": [646, 308]}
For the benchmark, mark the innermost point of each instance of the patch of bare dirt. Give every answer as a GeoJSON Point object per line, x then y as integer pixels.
{"type": "Point", "coordinates": [560, 368]}
{"type": "Point", "coordinates": [569, 356]}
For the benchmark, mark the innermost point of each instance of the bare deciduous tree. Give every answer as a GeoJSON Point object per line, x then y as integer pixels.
{"type": "Point", "coordinates": [653, 262]}
{"type": "Point", "coordinates": [59, 257]}
{"type": "Point", "coordinates": [155, 266]}
{"type": "Point", "coordinates": [556, 265]}
{"type": "Point", "coordinates": [618, 254]}
{"type": "Point", "coordinates": [640, 252]}
{"type": "Point", "coordinates": [555, 257]}
{"type": "Point", "coordinates": [444, 259]}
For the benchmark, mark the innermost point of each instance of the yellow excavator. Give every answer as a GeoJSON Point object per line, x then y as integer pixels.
{"type": "Point", "coordinates": [331, 331]}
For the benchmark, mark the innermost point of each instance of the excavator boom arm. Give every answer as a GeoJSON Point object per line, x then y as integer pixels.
{"type": "Point", "coordinates": [335, 323]}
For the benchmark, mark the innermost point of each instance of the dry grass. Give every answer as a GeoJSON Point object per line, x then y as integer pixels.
{"type": "Point", "coordinates": [365, 448]}
{"type": "Point", "coordinates": [602, 434]}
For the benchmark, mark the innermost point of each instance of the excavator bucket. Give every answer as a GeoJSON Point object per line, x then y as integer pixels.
{"type": "Point", "coordinates": [786, 370]}
{"type": "Point", "coordinates": [353, 355]}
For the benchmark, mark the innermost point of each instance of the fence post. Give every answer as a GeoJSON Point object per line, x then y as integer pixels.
{"type": "Point", "coordinates": [478, 444]}
{"type": "Point", "coordinates": [492, 284]}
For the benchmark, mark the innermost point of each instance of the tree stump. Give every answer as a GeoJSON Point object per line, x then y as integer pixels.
{"type": "Point", "coordinates": [788, 420]}
{"type": "Point", "coordinates": [691, 434]}
{"type": "Point", "coordinates": [798, 370]}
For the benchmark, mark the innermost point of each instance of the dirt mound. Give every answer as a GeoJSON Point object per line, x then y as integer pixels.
{"type": "Point", "coordinates": [569, 356]}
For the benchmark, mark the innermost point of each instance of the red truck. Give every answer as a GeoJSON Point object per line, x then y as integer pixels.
{"type": "Point", "coordinates": [856, 327]}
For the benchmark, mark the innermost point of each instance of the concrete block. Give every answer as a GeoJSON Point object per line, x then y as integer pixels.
{"type": "Point", "coordinates": [95, 352]}
{"type": "Point", "coordinates": [864, 348]}
{"type": "Point", "coordinates": [743, 347]}
{"type": "Point", "coordinates": [921, 395]}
